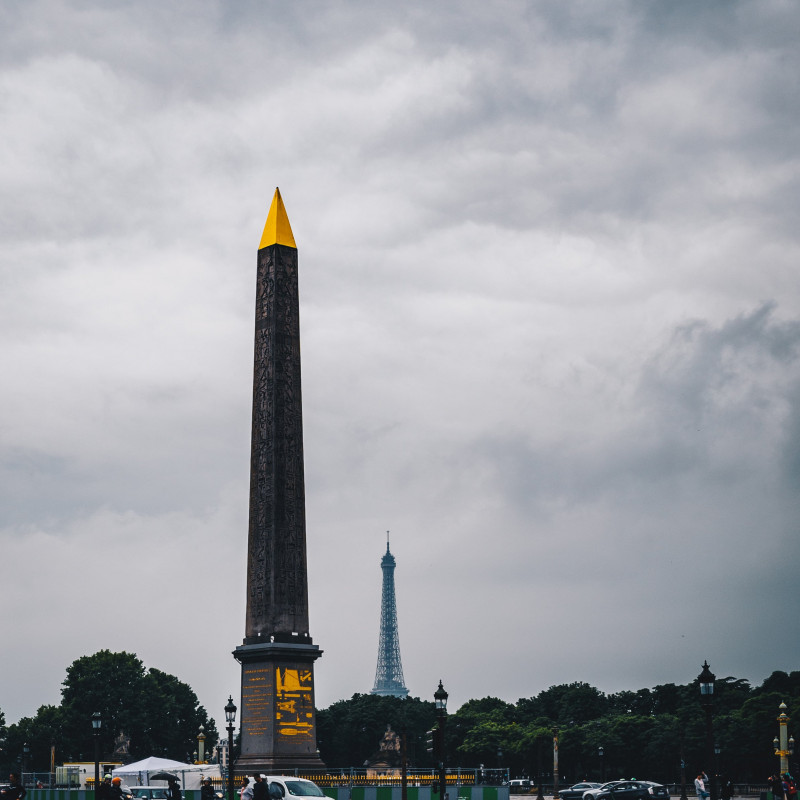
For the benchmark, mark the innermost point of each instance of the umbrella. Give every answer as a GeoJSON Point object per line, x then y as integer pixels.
{"type": "Point", "coordinates": [163, 776]}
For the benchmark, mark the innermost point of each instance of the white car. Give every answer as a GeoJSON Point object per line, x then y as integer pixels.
{"type": "Point", "coordinates": [281, 786]}
{"type": "Point", "coordinates": [287, 786]}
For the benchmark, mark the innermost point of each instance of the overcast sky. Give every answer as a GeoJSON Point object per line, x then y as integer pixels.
{"type": "Point", "coordinates": [550, 320]}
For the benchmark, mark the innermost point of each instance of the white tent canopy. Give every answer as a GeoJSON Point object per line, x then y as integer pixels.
{"type": "Point", "coordinates": [191, 775]}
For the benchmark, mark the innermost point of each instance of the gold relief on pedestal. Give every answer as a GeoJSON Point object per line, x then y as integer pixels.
{"type": "Point", "coordinates": [294, 702]}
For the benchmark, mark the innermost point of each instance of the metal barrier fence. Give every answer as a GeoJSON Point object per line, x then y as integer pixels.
{"type": "Point", "coordinates": [333, 793]}
{"type": "Point", "coordinates": [353, 778]}
{"type": "Point", "coordinates": [369, 777]}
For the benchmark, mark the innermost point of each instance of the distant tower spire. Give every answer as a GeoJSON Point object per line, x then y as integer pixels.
{"type": "Point", "coordinates": [389, 674]}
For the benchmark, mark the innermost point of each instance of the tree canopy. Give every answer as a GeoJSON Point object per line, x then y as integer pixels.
{"type": "Point", "coordinates": [643, 733]}
{"type": "Point", "coordinates": [157, 712]}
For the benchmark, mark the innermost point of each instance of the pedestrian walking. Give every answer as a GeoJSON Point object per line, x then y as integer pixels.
{"type": "Point", "coordinates": [726, 788]}
{"type": "Point", "coordinates": [15, 791]}
{"type": "Point", "coordinates": [260, 791]}
{"type": "Point", "coordinates": [247, 789]}
{"type": "Point", "coordinates": [700, 785]}
{"type": "Point", "coordinates": [789, 787]}
{"type": "Point", "coordinates": [207, 790]}
{"type": "Point", "coordinates": [776, 787]}
{"type": "Point", "coordinates": [104, 789]}
{"type": "Point", "coordinates": [173, 790]}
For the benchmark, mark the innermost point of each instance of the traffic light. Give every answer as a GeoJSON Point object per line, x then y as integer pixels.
{"type": "Point", "coordinates": [433, 743]}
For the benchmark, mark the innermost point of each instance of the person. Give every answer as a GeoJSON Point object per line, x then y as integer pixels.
{"type": "Point", "coordinates": [247, 789]}
{"type": "Point", "coordinates": [115, 792]}
{"type": "Point", "coordinates": [260, 791]}
{"type": "Point", "coordinates": [173, 790]}
{"type": "Point", "coordinates": [207, 790]}
{"type": "Point", "coordinates": [789, 786]}
{"type": "Point", "coordinates": [700, 785]}
{"type": "Point", "coordinates": [776, 786]}
{"type": "Point", "coordinates": [16, 791]}
{"type": "Point", "coordinates": [726, 788]}
{"type": "Point", "coordinates": [104, 789]}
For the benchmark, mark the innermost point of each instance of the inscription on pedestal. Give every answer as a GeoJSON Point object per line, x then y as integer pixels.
{"type": "Point", "coordinates": [257, 689]}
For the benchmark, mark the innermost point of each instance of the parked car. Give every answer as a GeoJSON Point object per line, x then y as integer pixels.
{"type": "Point", "coordinates": [577, 790]}
{"type": "Point", "coordinates": [286, 786]}
{"type": "Point", "coordinates": [149, 792]}
{"type": "Point", "coordinates": [591, 794]}
{"type": "Point", "coordinates": [281, 786]}
{"type": "Point", "coordinates": [628, 790]}
{"type": "Point", "coordinates": [657, 789]}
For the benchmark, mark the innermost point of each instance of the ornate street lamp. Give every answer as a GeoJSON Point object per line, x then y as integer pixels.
{"type": "Point", "coordinates": [26, 751]}
{"type": "Point", "coordinates": [440, 700]}
{"type": "Point", "coordinates": [683, 769]}
{"type": "Point", "coordinates": [230, 718]}
{"type": "Point", "coordinates": [97, 723]}
{"type": "Point", "coordinates": [601, 752]}
{"type": "Point", "coordinates": [539, 790]}
{"type": "Point", "coordinates": [555, 764]}
{"type": "Point", "coordinates": [706, 679]}
{"type": "Point", "coordinates": [784, 746]}
{"type": "Point", "coordinates": [201, 746]}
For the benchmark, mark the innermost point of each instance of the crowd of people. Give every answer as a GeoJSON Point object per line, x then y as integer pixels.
{"type": "Point", "coordinates": [783, 787]}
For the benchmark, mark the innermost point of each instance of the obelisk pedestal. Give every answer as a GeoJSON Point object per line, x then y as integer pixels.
{"type": "Point", "coordinates": [278, 725]}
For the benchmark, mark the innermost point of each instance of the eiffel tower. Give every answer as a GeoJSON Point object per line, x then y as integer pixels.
{"type": "Point", "coordinates": [389, 674]}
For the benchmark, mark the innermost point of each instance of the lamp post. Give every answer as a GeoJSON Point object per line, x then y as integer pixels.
{"type": "Point", "coordinates": [683, 771]}
{"type": "Point", "coordinates": [201, 746]}
{"type": "Point", "coordinates": [784, 746]}
{"type": "Point", "coordinates": [230, 718]}
{"type": "Point", "coordinates": [601, 752]}
{"type": "Point", "coordinates": [97, 723]}
{"type": "Point", "coordinates": [555, 764]}
{"type": "Point", "coordinates": [539, 790]}
{"type": "Point", "coordinates": [706, 679]}
{"type": "Point", "coordinates": [26, 751]}
{"type": "Point", "coordinates": [440, 699]}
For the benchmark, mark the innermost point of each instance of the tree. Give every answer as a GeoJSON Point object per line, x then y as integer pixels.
{"type": "Point", "coordinates": [349, 731]}
{"type": "Point", "coordinates": [40, 733]}
{"type": "Point", "coordinates": [3, 731]}
{"type": "Point", "coordinates": [159, 713]}
{"type": "Point", "coordinates": [484, 743]}
{"type": "Point", "coordinates": [565, 704]}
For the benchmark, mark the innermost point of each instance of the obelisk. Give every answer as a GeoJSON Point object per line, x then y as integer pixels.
{"type": "Point", "coordinates": [278, 726]}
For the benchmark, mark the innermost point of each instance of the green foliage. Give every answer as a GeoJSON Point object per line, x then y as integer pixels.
{"type": "Point", "coordinates": [566, 704]}
{"type": "Point", "coordinates": [40, 732]}
{"type": "Point", "coordinates": [644, 733]}
{"type": "Point", "coordinates": [349, 731]}
{"type": "Point", "coordinates": [160, 714]}
{"type": "Point", "coordinates": [479, 728]}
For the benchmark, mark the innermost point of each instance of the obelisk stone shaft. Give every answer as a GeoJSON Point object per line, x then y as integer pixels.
{"type": "Point", "coordinates": [277, 583]}
{"type": "Point", "coordinates": [278, 722]}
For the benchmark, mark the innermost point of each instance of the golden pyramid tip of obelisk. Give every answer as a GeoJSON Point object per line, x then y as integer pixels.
{"type": "Point", "coordinates": [277, 230]}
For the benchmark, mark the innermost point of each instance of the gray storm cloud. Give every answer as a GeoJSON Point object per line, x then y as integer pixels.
{"type": "Point", "coordinates": [549, 315]}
